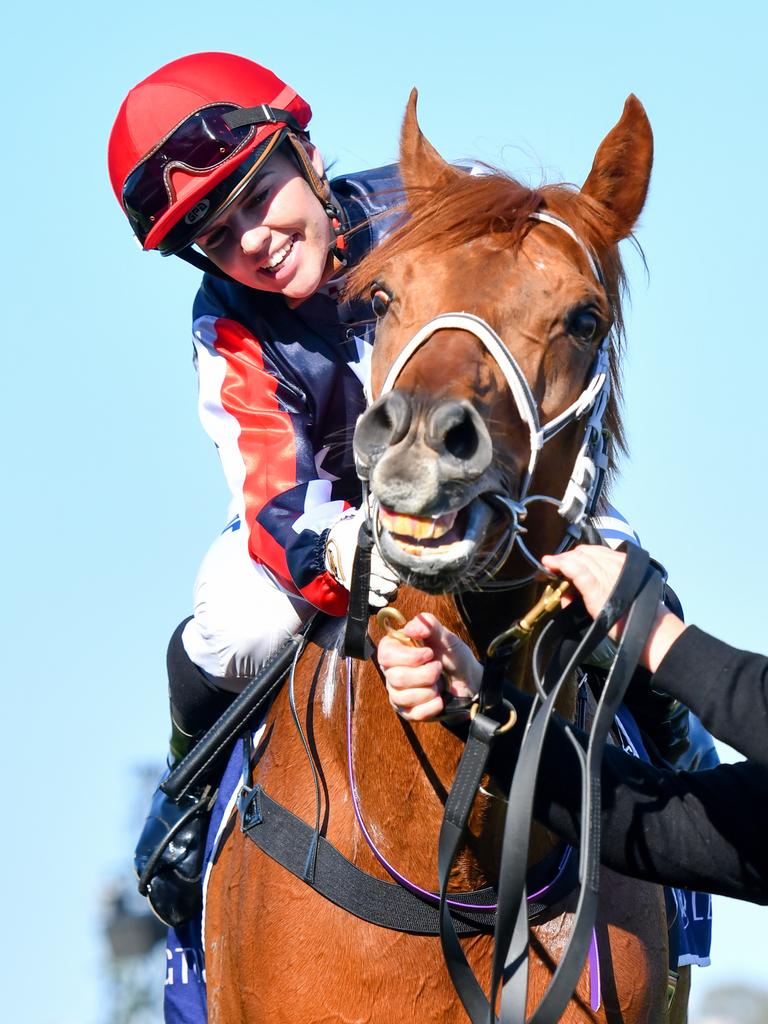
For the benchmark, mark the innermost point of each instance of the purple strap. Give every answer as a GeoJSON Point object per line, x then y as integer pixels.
{"type": "Point", "coordinates": [433, 897]}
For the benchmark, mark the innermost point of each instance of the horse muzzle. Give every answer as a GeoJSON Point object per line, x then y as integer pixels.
{"type": "Point", "coordinates": [428, 465]}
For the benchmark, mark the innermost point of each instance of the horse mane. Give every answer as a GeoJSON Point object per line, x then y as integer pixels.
{"type": "Point", "coordinates": [494, 204]}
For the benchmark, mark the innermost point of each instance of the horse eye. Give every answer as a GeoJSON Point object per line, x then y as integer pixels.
{"type": "Point", "coordinates": [380, 299]}
{"type": "Point", "coordinates": [583, 325]}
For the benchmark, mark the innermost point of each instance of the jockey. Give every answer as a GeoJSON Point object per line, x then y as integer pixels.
{"type": "Point", "coordinates": [211, 161]}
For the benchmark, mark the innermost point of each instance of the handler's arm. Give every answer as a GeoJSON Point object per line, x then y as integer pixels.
{"type": "Point", "coordinates": [702, 830]}
{"type": "Point", "coordinates": [697, 830]}
{"type": "Point", "coordinates": [727, 688]}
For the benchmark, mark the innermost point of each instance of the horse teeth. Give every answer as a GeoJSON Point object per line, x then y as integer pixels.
{"type": "Point", "coordinates": [441, 551]}
{"type": "Point", "coordinates": [417, 527]}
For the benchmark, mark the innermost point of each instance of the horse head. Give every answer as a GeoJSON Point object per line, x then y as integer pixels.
{"type": "Point", "coordinates": [497, 342]}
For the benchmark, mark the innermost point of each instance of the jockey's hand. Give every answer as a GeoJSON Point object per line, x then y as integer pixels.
{"type": "Point", "coordinates": [340, 547]}
{"type": "Point", "coordinates": [413, 674]}
{"type": "Point", "coordinates": [594, 571]}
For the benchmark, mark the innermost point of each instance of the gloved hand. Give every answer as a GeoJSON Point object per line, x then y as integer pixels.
{"type": "Point", "coordinates": [340, 548]}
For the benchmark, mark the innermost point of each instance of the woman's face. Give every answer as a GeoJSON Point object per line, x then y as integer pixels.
{"type": "Point", "coordinates": [276, 236]}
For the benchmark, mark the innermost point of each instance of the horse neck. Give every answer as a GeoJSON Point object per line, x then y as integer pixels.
{"type": "Point", "coordinates": [405, 770]}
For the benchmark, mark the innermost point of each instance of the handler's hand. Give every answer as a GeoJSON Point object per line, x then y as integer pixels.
{"type": "Point", "coordinates": [594, 571]}
{"type": "Point", "coordinates": [412, 674]}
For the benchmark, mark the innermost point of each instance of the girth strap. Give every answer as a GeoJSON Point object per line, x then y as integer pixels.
{"type": "Point", "coordinates": [290, 841]}
{"type": "Point", "coordinates": [293, 844]}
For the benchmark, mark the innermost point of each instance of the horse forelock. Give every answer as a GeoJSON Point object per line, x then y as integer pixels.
{"type": "Point", "coordinates": [496, 206]}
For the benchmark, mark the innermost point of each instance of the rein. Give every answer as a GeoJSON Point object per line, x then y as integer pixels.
{"type": "Point", "coordinates": [637, 593]}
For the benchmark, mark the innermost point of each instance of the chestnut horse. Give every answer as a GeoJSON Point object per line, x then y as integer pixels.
{"type": "Point", "coordinates": [436, 448]}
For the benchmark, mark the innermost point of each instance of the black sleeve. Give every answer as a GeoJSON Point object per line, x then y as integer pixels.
{"type": "Point", "coordinates": [697, 830]}
{"type": "Point", "coordinates": [727, 688]}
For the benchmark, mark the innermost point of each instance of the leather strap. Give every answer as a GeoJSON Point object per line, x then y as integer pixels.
{"type": "Point", "coordinates": [515, 965]}
{"type": "Point", "coordinates": [218, 741]}
{"type": "Point", "coordinates": [357, 643]}
{"type": "Point", "coordinates": [638, 590]}
{"type": "Point", "coordinates": [511, 951]}
{"type": "Point", "coordinates": [466, 783]}
{"type": "Point", "coordinates": [294, 844]}
{"type": "Point", "coordinates": [291, 842]}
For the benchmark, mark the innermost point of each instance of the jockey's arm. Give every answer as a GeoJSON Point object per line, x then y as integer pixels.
{"type": "Point", "coordinates": [261, 430]}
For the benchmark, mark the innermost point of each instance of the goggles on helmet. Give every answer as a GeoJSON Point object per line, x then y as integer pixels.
{"type": "Point", "coordinates": [198, 145]}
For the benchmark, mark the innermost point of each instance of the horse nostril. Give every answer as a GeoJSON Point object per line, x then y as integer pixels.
{"type": "Point", "coordinates": [385, 423]}
{"type": "Point", "coordinates": [461, 441]}
{"type": "Point", "coordinates": [393, 416]}
{"type": "Point", "coordinates": [455, 429]}
{"type": "Point", "coordinates": [451, 428]}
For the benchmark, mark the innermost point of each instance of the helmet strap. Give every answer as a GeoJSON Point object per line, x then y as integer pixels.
{"type": "Point", "coordinates": [338, 246]}
{"type": "Point", "coordinates": [202, 262]}
{"type": "Point", "coordinates": [322, 190]}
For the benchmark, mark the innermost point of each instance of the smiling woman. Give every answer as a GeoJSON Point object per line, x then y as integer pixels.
{"type": "Point", "coordinates": [210, 160]}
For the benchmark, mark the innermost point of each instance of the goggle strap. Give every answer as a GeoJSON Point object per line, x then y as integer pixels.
{"type": "Point", "coordinates": [319, 185]}
{"type": "Point", "coordinates": [263, 114]}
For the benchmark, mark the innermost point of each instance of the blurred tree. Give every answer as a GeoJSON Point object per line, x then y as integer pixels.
{"type": "Point", "coordinates": [134, 939]}
{"type": "Point", "coordinates": [734, 1004]}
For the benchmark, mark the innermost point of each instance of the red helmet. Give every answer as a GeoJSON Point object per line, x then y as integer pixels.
{"type": "Point", "coordinates": [189, 137]}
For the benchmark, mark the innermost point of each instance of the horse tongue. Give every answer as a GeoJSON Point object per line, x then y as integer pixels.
{"type": "Point", "coordinates": [417, 527]}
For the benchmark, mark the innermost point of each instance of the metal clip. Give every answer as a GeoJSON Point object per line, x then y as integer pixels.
{"type": "Point", "coordinates": [523, 628]}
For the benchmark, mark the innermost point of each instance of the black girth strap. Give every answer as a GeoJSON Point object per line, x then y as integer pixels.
{"type": "Point", "coordinates": [293, 844]}
{"type": "Point", "coordinates": [289, 841]}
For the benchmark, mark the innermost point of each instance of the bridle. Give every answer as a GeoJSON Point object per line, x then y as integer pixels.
{"type": "Point", "coordinates": [638, 591]}
{"type": "Point", "coordinates": [588, 472]}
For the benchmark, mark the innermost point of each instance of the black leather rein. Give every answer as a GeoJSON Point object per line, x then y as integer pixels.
{"type": "Point", "coordinates": [637, 593]}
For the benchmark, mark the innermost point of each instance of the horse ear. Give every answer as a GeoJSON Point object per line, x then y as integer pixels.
{"type": "Point", "coordinates": [622, 169]}
{"type": "Point", "coordinates": [421, 166]}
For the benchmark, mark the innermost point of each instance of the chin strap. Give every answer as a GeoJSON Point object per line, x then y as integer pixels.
{"type": "Point", "coordinates": [322, 189]}
{"type": "Point", "coordinates": [201, 261]}
{"type": "Point", "coordinates": [337, 248]}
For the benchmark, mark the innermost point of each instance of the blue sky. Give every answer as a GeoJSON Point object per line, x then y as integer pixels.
{"type": "Point", "coordinates": [113, 492]}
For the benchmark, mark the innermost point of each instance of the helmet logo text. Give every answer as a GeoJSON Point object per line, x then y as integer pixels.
{"type": "Point", "coordinates": [197, 212]}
